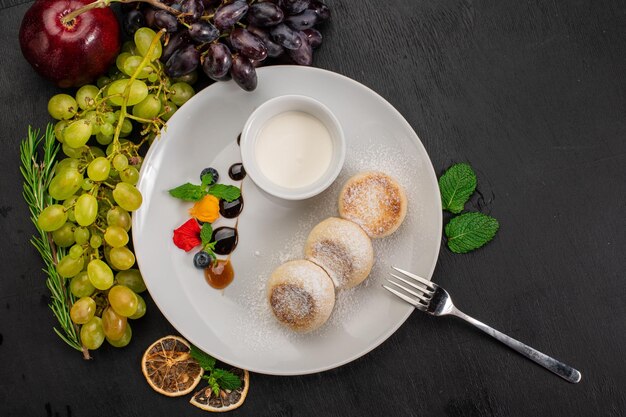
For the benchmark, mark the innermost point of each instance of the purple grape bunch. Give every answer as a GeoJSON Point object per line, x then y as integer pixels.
{"type": "Point", "coordinates": [229, 39]}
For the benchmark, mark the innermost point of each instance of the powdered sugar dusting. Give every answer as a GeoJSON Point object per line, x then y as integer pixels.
{"type": "Point", "coordinates": [263, 332]}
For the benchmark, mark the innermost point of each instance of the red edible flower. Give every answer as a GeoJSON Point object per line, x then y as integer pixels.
{"type": "Point", "coordinates": [187, 236]}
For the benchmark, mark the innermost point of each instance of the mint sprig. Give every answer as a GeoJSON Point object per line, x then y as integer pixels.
{"type": "Point", "coordinates": [217, 378]}
{"type": "Point", "coordinates": [192, 192]}
{"type": "Point", "coordinates": [456, 185]}
{"type": "Point", "coordinates": [470, 231]}
{"type": "Point", "coordinates": [206, 236]}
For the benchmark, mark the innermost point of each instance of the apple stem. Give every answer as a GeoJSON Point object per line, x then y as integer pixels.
{"type": "Point", "coordinates": [98, 4]}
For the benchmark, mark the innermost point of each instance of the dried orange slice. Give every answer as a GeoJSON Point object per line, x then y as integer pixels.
{"type": "Point", "coordinates": [226, 400]}
{"type": "Point", "coordinates": [169, 367]}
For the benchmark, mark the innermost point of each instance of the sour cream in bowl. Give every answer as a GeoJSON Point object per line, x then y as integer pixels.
{"type": "Point", "coordinates": [293, 147]}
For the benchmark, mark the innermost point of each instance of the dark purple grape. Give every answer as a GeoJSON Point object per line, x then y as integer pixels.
{"type": "Point", "coordinates": [304, 20]}
{"type": "Point", "coordinates": [175, 42]}
{"type": "Point", "coordinates": [313, 36]}
{"type": "Point", "coordinates": [133, 20]}
{"type": "Point", "coordinates": [183, 61]}
{"type": "Point", "coordinates": [194, 8]}
{"type": "Point", "coordinates": [203, 32]}
{"type": "Point", "coordinates": [248, 44]}
{"type": "Point", "coordinates": [243, 72]}
{"type": "Point", "coordinates": [304, 54]}
{"type": "Point", "coordinates": [265, 14]}
{"type": "Point", "coordinates": [294, 6]}
{"type": "Point", "coordinates": [321, 10]}
{"type": "Point", "coordinates": [148, 14]}
{"type": "Point", "coordinates": [217, 61]}
{"type": "Point", "coordinates": [166, 20]}
{"type": "Point", "coordinates": [229, 14]}
{"type": "Point", "coordinates": [285, 36]}
{"type": "Point", "coordinates": [273, 49]}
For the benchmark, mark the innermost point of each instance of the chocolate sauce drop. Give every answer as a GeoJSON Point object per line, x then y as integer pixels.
{"type": "Point", "coordinates": [231, 209]}
{"type": "Point", "coordinates": [226, 239]}
{"type": "Point", "coordinates": [237, 172]}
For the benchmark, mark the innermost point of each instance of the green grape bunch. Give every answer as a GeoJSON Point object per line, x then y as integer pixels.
{"type": "Point", "coordinates": [94, 189]}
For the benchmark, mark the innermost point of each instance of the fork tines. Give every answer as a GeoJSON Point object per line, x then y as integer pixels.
{"type": "Point", "coordinates": [425, 289]}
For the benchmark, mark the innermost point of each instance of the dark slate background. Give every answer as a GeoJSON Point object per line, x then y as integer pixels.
{"type": "Point", "coordinates": [532, 93]}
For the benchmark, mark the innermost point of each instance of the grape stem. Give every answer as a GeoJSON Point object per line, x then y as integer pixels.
{"type": "Point", "coordinates": [100, 4]}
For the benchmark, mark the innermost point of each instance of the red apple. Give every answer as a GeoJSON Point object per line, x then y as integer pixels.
{"type": "Point", "coordinates": [73, 53]}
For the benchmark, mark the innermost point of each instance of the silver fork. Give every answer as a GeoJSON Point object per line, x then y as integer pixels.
{"type": "Point", "coordinates": [434, 300]}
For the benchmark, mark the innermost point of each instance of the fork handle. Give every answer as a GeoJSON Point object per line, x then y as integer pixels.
{"type": "Point", "coordinates": [564, 371]}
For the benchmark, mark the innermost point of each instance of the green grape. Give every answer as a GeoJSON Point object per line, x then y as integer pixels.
{"type": "Point", "coordinates": [129, 46]}
{"type": "Point", "coordinates": [86, 96]}
{"type": "Point", "coordinates": [58, 130]}
{"type": "Point", "coordinates": [141, 308]}
{"type": "Point", "coordinates": [125, 340]}
{"type": "Point", "coordinates": [76, 252]}
{"type": "Point", "coordinates": [117, 216]}
{"type": "Point", "coordinates": [138, 91]}
{"type": "Point", "coordinates": [96, 152]}
{"type": "Point", "coordinates": [83, 310]}
{"type": "Point", "coordinates": [65, 184]}
{"type": "Point", "coordinates": [92, 118]}
{"type": "Point", "coordinates": [95, 241]}
{"type": "Point", "coordinates": [98, 169]}
{"type": "Point", "coordinates": [143, 38]}
{"type": "Point", "coordinates": [148, 108]}
{"type": "Point", "coordinates": [80, 286]}
{"type": "Point", "coordinates": [114, 174]}
{"type": "Point", "coordinates": [63, 237]}
{"type": "Point", "coordinates": [62, 106]}
{"type": "Point", "coordinates": [100, 275]}
{"type": "Point", "coordinates": [109, 117]}
{"type": "Point", "coordinates": [121, 58]}
{"type": "Point", "coordinates": [52, 218]}
{"type": "Point", "coordinates": [103, 139]}
{"type": "Point", "coordinates": [103, 81]}
{"type": "Point", "coordinates": [153, 76]}
{"type": "Point", "coordinates": [130, 175]}
{"type": "Point", "coordinates": [92, 334]}
{"type": "Point", "coordinates": [131, 65]}
{"type": "Point", "coordinates": [123, 300]}
{"type": "Point", "coordinates": [73, 152]}
{"type": "Point", "coordinates": [77, 133]}
{"type": "Point", "coordinates": [66, 163]}
{"type": "Point", "coordinates": [127, 196]}
{"type": "Point", "coordinates": [81, 235]}
{"type": "Point", "coordinates": [87, 184]}
{"type": "Point", "coordinates": [122, 258]}
{"type": "Point", "coordinates": [114, 325]}
{"type": "Point", "coordinates": [180, 93]}
{"type": "Point", "coordinates": [68, 267]}
{"type": "Point", "coordinates": [170, 108]}
{"type": "Point", "coordinates": [116, 236]}
{"type": "Point", "coordinates": [127, 127]}
{"type": "Point", "coordinates": [132, 279]}
{"type": "Point", "coordinates": [120, 162]}
{"type": "Point", "coordinates": [107, 129]}
{"type": "Point", "coordinates": [86, 209]}
{"type": "Point", "coordinates": [113, 147]}
{"type": "Point", "coordinates": [70, 215]}
{"type": "Point", "coordinates": [189, 78]}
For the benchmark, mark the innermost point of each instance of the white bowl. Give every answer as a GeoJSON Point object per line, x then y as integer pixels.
{"type": "Point", "coordinates": [274, 107]}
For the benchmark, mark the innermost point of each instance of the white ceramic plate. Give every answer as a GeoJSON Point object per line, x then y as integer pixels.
{"type": "Point", "coordinates": [235, 325]}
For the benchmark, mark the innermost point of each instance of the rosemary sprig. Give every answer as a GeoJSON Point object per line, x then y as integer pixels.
{"type": "Point", "coordinates": [38, 173]}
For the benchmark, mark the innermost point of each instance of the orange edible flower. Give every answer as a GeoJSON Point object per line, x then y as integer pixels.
{"type": "Point", "coordinates": [207, 209]}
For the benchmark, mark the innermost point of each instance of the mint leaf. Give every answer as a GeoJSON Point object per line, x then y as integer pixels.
{"type": "Point", "coordinates": [470, 231]}
{"type": "Point", "coordinates": [206, 234]}
{"type": "Point", "coordinates": [228, 380]}
{"type": "Point", "coordinates": [205, 361]}
{"type": "Point", "coordinates": [225, 192]}
{"type": "Point", "coordinates": [188, 192]}
{"type": "Point", "coordinates": [207, 179]}
{"type": "Point", "coordinates": [456, 185]}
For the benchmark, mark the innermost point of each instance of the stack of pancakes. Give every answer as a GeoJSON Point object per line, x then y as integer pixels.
{"type": "Point", "coordinates": [338, 251]}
